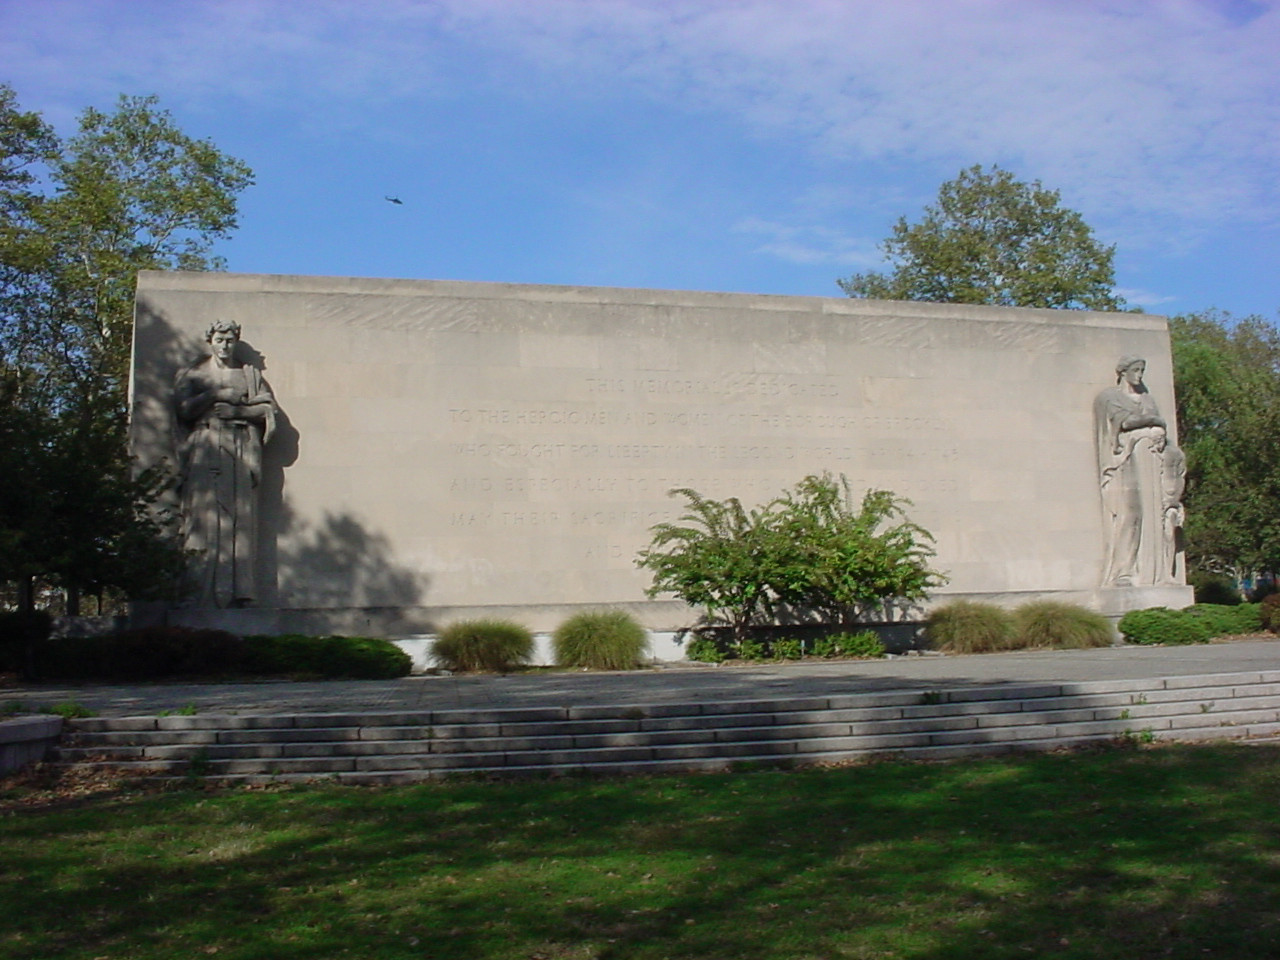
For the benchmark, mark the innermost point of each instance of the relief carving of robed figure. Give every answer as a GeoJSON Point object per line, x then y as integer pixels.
{"type": "Point", "coordinates": [1141, 476]}
{"type": "Point", "coordinates": [226, 414]}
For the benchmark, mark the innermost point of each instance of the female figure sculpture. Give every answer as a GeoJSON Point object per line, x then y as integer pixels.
{"type": "Point", "coordinates": [226, 413]}
{"type": "Point", "coordinates": [1140, 475]}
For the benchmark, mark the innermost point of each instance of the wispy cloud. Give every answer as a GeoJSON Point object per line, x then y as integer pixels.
{"type": "Point", "coordinates": [810, 244]}
{"type": "Point", "coordinates": [1143, 298]}
{"type": "Point", "coordinates": [1163, 112]}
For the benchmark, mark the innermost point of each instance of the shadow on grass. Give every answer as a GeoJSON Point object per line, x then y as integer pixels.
{"type": "Point", "coordinates": [1162, 853]}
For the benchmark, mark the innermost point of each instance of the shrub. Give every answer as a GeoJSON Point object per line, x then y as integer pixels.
{"type": "Point", "coordinates": [152, 653]}
{"type": "Point", "coordinates": [333, 657]}
{"type": "Point", "coordinates": [808, 549]}
{"type": "Point", "coordinates": [828, 646]}
{"type": "Point", "coordinates": [963, 626]}
{"type": "Point", "coordinates": [601, 640]}
{"type": "Point", "coordinates": [787, 648]}
{"type": "Point", "coordinates": [1225, 621]}
{"type": "Point", "coordinates": [1215, 588]}
{"type": "Point", "coordinates": [1060, 626]}
{"type": "Point", "coordinates": [486, 645]}
{"type": "Point", "coordinates": [750, 649]}
{"type": "Point", "coordinates": [1249, 618]}
{"type": "Point", "coordinates": [705, 650]}
{"type": "Point", "coordinates": [145, 653]}
{"type": "Point", "coordinates": [865, 643]}
{"type": "Point", "coordinates": [1160, 625]}
{"type": "Point", "coordinates": [1269, 612]}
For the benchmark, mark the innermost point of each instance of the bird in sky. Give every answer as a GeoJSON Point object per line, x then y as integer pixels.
{"type": "Point", "coordinates": [395, 200]}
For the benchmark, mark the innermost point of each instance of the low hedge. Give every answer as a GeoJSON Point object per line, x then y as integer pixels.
{"type": "Point", "coordinates": [1160, 625]}
{"type": "Point", "coordinates": [332, 658]}
{"type": "Point", "coordinates": [156, 653]}
{"type": "Point", "coordinates": [1228, 620]}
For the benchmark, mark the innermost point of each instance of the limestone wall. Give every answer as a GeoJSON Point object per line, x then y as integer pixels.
{"type": "Point", "coordinates": [446, 448]}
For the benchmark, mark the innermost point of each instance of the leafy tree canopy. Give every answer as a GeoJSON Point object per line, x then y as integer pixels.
{"type": "Point", "coordinates": [996, 240]}
{"type": "Point", "coordinates": [79, 217]}
{"type": "Point", "coordinates": [129, 191]}
{"type": "Point", "coordinates": [1227, 376]}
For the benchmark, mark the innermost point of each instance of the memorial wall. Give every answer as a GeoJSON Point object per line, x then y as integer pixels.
{"type": "Point", "coordinates": [390, 455]}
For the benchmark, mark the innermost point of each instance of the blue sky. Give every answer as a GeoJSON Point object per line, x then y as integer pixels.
{"type": "Point", "coordinates": [760, 146]}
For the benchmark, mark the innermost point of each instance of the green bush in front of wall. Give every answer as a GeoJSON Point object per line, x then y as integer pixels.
{"type": "Point", "coordinates": [485, 645]}
{"type": "Point", "coordinates": [787, 648]}
{"type": "Point", "coordinates": [1160, 625]}
{"type": "Point", "coordinates": [864, 644]}
{"type": "Point", "coordinates": [155, 653]}
{"type": "Point", "coordinates": [705, 649]}
{"type": "Point", "coordinates": [600, 640]}
{"type": "Point", "coordinates": [330, 658]}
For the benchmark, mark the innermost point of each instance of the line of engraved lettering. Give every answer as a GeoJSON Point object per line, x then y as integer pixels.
{"type": "Point", "coordinates": [749, 385]}
{"type": "Point", "coordinates": [613, 518]}
{"type": "Point", "coordinates": [529, 518]}
{"type": "Point", "coordinates": [556, 416]}
{"type": "Point", "coordinates": [688, 418]}
{"type": "Point", "coordinates": [577, 485]}
{"type": "Point", "coordinates": [707, 486]}
{"type": "Point", "coordinates": [901, 453]}
{"type": "Point", "coordinates": [469, 519]}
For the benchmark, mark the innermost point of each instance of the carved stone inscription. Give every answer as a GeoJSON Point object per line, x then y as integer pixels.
{"type": "Point", "coordinates": [457, 446]}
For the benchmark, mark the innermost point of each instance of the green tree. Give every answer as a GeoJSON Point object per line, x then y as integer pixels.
{"type": "Point", "coordinates": [1227, 377]}
{"type": "Point", "coordinates": [128, 191]}
{"type": "Point", "coordinates": [996, 240]}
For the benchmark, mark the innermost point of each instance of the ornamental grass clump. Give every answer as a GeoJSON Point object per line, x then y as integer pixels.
{"type": "Point", "coordinates": [491, 646]}
{"type": "Point", "coordinates": [964, 626]}
{"type": "Point", "coordinates": [600, 640]}
{"type": "Point", "coordinates": [1060, 626]}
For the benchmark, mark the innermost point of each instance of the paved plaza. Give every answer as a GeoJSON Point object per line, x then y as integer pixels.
{"type": "Point", "coordinates": [670, 683]}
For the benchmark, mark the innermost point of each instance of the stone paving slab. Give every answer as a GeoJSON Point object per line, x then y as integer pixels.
{"type": "Point", "coordinates": [670, 683]}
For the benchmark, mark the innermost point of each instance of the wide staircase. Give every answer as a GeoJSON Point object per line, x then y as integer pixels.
{"type": "Point", "coordinates": [953, 721]}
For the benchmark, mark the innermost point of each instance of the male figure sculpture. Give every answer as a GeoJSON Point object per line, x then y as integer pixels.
{"type": "Point", "coordinates": [226, 413]}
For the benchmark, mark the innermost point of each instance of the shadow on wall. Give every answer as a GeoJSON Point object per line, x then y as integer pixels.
{"type": "Point", "coordinates": [335, 562]}
{"type": "Point", "coordinates": [338, 562]}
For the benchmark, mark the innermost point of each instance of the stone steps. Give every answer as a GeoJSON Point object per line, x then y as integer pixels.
{"type": "Point", "coordinates": [385, 747]}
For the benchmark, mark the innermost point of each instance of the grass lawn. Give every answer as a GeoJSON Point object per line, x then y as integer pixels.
{"type": "Point", "coordinates": [1123, 853]}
